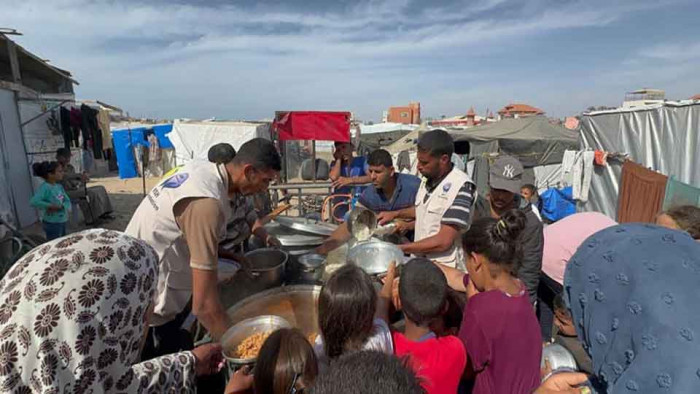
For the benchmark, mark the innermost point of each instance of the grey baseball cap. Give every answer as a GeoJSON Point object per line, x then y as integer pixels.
{"type": "Point", "coordinates": [506, 173]}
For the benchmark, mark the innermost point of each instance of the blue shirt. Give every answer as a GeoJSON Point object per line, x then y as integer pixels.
{"type": "Point", "coordinates": [358, 167]}
{"type": "Point", "coordinates": [404, 195]}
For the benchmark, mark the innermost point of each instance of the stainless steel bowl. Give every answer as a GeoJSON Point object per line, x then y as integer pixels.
{"type": "Point", "coordinates": [296, 304]}
{"type": "Point", "coordinates": [239, 332]}
{"type": "Point", "coordinates": [362, 223]}
{"type": "Point", "coordinates": [375, 256]}
{"type": "Point", "coordinates": [559, 358]}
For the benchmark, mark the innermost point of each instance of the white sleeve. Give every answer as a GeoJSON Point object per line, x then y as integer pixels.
{"type": "Point", "coordinates": [380, 340]}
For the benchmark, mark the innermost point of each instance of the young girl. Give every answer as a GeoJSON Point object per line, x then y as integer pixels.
{"type": "Point", "coordinates": [286, 364]}
{"type": "Point", "coordinates": [499, 327]}
{"type": "Point", "coordinates": [51, 200]}
{"type": "Point", "coordinates": [348, 316]}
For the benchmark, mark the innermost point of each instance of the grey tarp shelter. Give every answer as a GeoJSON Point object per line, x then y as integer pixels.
{"type": "Point", "coordinates": [664, 137]}
{"type": "Point", "coordinates": [533, 140]}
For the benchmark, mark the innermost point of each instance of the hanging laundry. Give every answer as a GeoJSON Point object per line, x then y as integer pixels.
{"type": "Point", "coordinates": [679, 193]}
{"type": "Point", "coordinates": [577, 172]}
{"type": "Point", "coordinates": [103, 123]}
{"type": "Point", "coordinates": [641, 194]}
{"type": "Point", "coordinates": [91, 131]}
{"type": "Point", "coordinates": [583, 172]}
{"type": "Point", "coordinates": [601, 158]}
{"type": "Point", "coordinates": [66, 129]}
{"type": "Point", "coordinates": [76, 120]}
{"type": "Point", "coordinates": [567, 167]}
{"type": "Point", "coordinates": [403, 161]}
{"type": "Point", "coordinates": [153, 148]}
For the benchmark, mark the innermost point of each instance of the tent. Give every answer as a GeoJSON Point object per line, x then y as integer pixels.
{"type": "Point", "coordinates": [533, 140]}
{"type": "Point", "coordinates": [538, 144]}
{"type": "Point", "coordinates": [192, 139]}
{"type": "Point", "coordinates": [664, 137]}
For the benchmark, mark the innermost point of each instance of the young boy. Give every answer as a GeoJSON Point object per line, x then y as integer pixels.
{"type": "Point", "coordinates": [438, 362]}
{"type": "Point", "coordinates": [566, 335]}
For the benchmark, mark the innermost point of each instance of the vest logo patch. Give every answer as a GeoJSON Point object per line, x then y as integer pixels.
{"type": "Point", "coordinates": [446, 187]}
{"type": "Point", "coordinates": [175, 181]}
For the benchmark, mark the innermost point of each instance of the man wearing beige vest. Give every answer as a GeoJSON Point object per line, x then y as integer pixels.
{"type": "Point", "coordinates": [443, 205]}
{"type": "Point", "coordinates": [184, 218]}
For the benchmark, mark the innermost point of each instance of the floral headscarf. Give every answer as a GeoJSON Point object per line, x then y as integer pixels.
{"type": "Point", "coordinates": [72, 318]}
{"type": "Point", "coordinates": [633, 293]}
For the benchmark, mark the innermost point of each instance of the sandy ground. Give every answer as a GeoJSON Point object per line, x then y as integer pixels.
{"type": "Point", "coordinates": [125, 194]}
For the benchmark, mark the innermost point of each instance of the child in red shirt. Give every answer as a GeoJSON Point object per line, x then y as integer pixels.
{"type": "Point", "coordinates": [499, 326]}
{"type": "Point", "coordinates": [438, 362]}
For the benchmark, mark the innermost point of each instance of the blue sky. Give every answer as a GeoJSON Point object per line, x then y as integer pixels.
{"type": "Point", "coordinates": [245, 59]}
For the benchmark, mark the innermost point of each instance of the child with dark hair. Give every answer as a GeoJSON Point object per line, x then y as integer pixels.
{"type": "Point", "coordinates": [684, 218]}
{"type": "Point", "coordinates": [566, 335]}
{"type": "Point", "coordinates": [51, 199]}
{"type": "Point", "coordinates": [368, 372]}
{"type": "Point", "coordinates": [438, 361]}
{"type": "Point", "coordinates": [347, 309]}
{"type": "Point", "coordinates": [286, 364]}
{"type": "Point", "coordinates": [499, 327]}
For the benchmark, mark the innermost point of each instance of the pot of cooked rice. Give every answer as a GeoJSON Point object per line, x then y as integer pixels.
{"type": "Point", "coordinates": [242, 342]}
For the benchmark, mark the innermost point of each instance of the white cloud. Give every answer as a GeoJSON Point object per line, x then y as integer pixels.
{"type": "Point", "coordinates": [170, 60]}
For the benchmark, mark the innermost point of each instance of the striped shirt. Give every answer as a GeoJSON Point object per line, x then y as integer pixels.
{"type": "Point", "coordinates": [459, 214]}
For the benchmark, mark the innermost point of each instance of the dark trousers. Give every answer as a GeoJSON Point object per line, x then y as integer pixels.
{"type": "Point", "coordinates": [54, 230]}
{"type": "Point", "coordinates": [546, 291]}
{"type": "Point", "coordinates": [170, 338]}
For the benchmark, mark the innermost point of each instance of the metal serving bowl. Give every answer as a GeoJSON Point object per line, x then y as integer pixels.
{"type": "Point", "coordinates": [374, 257]}
{"type": "Point", "coordinates": [296, 304]}
{"type": "Point", "coordinates": [560, 359]}
{"type": "Point", "coordinates": [239, 332]}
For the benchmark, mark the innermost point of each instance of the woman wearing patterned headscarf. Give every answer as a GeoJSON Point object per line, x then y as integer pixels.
{"type": "Point", "coordinates": [73, 313]}
{"type": "Point", "coordinates": [633, 294]}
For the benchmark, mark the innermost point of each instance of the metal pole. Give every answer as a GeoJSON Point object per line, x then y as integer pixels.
{"type": "Point", "coordinates": [143, 171]}
{"type": "Point", "coordinates": [313, 161]}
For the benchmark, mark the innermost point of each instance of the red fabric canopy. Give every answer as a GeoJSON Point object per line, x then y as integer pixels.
{"type": "Point", "coordinates": [313, 125]}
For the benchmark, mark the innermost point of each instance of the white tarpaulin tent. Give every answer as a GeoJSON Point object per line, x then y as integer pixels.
{"type": "Point", "coordinates": [664, 137]}
{"type": "Point", "coordinates": [192, 139]}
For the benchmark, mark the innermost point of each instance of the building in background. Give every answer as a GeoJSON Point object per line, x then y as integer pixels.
{"type": "Point", "coordinates": [518, 111]}
{"type": "Point", "coordinates": [405, 115]}
{"type": "Point", "coordinates": [31, 94]}
{"type": "Point", "coordinates": [696, 97]}
{"type": "Point", "coordinates": [643, 97]}
{"type": "Point", "coordinates": [469, 120]}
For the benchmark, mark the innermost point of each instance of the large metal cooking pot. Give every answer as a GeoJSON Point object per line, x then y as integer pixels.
{"type": "Point", "coordinates": [375, 256]}
{"type": "Point", "coordinates": [267, 266]}
{"type": "Point", "coordinates": [296, 304]}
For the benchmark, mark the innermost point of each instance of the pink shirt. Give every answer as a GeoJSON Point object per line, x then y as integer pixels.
{"type": "Point", "coordinates": [562, 238]}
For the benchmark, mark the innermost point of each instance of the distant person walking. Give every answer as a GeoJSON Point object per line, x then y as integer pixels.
{"type": "Point", "coordinates": [51, 199]}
